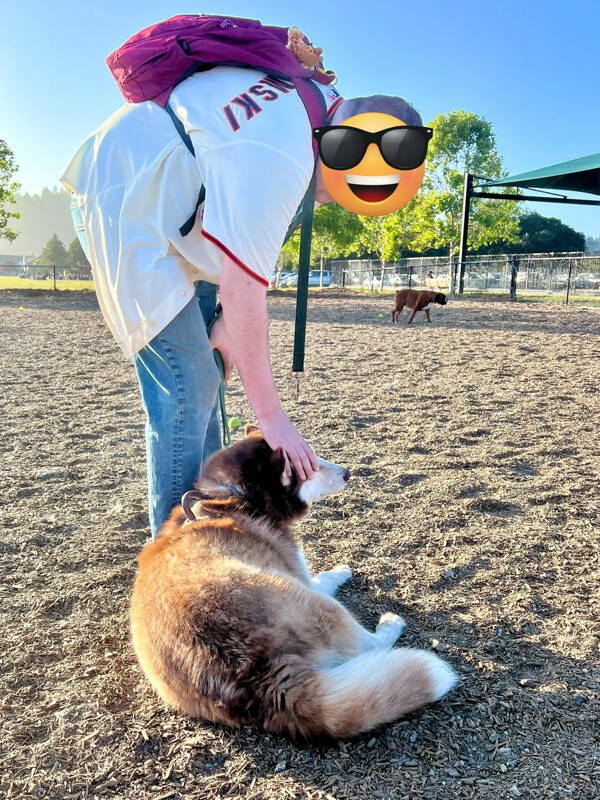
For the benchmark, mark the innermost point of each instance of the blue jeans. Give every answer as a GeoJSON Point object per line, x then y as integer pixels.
{"type": "Point", "coordinates": [179, 381]}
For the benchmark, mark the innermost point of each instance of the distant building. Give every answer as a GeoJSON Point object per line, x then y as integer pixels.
{"type": "Point", "coordinates": [592, 244]}
{"type": "Point", "coordinates": [16, 261]}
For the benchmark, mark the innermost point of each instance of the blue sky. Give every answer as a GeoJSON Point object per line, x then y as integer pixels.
{"type": "Point", "coordinates": [531, 67]}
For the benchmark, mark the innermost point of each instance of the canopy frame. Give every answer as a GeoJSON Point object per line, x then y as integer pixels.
{"type": "Point", "coordinates": [580, 175]}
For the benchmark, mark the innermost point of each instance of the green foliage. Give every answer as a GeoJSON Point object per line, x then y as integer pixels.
{"type": "Point", "coordinates": [8, 190]}
{"type": "Point", "coordinates": [462, 142]}
{"type": "Point", "coordinates": [75, 255]}
{"type": "Point", "coordinates": [540, 234]}
{"type": "Point", "coordinates": [391, 237]}
{"type": "Point", "coordinates": [290, 253]}
{"type": "Point", "coordinates": [335, 231]}
{"type": "Point", "coordinates": [335, 234]}
{"type": "Point", "coordinates": [54, 253]}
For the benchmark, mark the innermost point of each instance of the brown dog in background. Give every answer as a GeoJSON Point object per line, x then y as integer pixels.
{"type": "Point", "coordinates": [421, 300]}
{"type": "Point", "coordinates": [230, 626]}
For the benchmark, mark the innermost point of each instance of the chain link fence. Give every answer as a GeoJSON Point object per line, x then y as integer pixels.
{"type": "Point", "coordinates": [574, 277]}
{"type": "Point", "coordinates": [571, 277]}
{"type": "Point", "coordinates": [29, 276]}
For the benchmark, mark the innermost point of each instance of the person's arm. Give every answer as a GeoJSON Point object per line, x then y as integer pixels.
{"type": "Point", "coordinates": [245, 343]}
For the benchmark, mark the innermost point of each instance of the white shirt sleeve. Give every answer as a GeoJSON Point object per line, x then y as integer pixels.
{"type": "Point", "coordinates": [253, 191]}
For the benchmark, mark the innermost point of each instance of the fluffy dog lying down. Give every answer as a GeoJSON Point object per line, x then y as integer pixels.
{"type": "Point", "coordinates": [229, 624]}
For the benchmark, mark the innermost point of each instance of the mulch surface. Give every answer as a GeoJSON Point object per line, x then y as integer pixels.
{"type": "Point", "coordinates": [473, 511]}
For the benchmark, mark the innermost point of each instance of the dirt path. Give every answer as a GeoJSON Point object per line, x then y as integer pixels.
{"type": "Point", "coordinates": [473, 512]}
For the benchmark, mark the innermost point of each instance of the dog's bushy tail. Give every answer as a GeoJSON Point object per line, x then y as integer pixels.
{"type": "Point", "coordinates": [366, 691]}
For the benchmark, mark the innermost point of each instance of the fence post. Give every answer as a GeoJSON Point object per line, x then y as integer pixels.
{"type": "Point", "coordinates": [409, 275]}
{"type": "Point", "coordinates": [569, 281]}
{"type": "Point", "coordinates": [54, 277]}
{"type": "Point", "coordinates": [343, 279]}
{"type": "Point", "coordinates": [382, 276]}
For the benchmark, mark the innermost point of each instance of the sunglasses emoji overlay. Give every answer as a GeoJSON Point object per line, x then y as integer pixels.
{"type": "Point", "coordinates": [373, 164]}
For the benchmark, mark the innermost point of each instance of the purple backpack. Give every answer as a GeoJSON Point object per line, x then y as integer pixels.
{"type": "Point", "coordinates": [151, 63]}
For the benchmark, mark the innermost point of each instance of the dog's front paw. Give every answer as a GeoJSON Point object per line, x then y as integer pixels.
{"type": "Point", "coordinates": [343, 571]}
{"type": "Point", "coordinates": [390, 628]}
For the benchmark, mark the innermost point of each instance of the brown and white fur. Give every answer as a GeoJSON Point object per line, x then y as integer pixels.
{"type": "Point", "coordinates": [421, 300]}
{"type": "Point", "coordinates": [230, 626]}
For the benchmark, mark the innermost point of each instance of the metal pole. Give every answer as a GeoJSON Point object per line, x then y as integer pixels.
{"type": "Point", "coordinates": [302, 290]}
{"type": "Point", "coordinates": [54, 277]}
{"type": "Point", "coordinates": [462, 253]}
{"type": "Point", "coordinates": [569, 281]}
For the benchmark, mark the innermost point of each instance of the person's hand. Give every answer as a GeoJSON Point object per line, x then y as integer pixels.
{"type": "Point", "coordinates": [280, 432]}
{"type": "Point", "coordinates": [220, 341]}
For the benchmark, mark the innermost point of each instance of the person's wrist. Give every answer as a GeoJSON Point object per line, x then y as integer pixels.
{"type": "Point", "coordinates": [269, 414]}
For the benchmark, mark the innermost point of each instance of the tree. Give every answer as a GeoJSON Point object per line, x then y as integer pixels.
{"type": "Point", "coordinates": [8, 190]}
{"type": "Point", "coordinates": [462, 142]}
{"type": "Point", "coordinates": [335, 234]}
{"type": "Point", "coordinates": [41, 215]}
{"type": "Point", "coordinates": [335, 231]}
{"type": "Point", "coordinates": [54, 253]}
{"type": "Point", "coordinates": [75, 255]}
{"type": "Point", "coordinates": [538, 234]}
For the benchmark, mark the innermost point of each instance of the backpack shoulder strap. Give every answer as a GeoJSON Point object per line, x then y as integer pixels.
{"type": "Point", "coordinates": [189, 223]}
{"type": "Point", "coordinates": [180, 129]}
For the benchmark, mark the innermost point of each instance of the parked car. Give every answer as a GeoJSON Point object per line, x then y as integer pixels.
{"type": "Point", "coordinates": [484, 280]}
{"type": "Point", "coordinates": [282, 277]}
{"type": "Point", "coordinates": [396, 281]}
{"type": "Point", "coordinates": [582, 283]}
{"type": "Point", "coordinates": [496, 280]}
{"type": "Point", "coordinates": [314, 278]}
{"type": "Point", "coordinates": [291, 279]}
{"type": "Point", "coordinates": [473, 280]}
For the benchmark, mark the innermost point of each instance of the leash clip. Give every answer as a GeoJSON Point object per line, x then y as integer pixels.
{"type": "Point", "coordinates": [296, 379]}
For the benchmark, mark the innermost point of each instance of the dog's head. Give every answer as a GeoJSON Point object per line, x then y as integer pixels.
{"type": "Point", "coordinates": [252, 475]}
{"type": "Point", "coordinates": [440, 298]}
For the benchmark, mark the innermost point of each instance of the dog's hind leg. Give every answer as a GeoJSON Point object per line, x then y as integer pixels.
{"type": "Point", "coordinates": [327, 583]}
{"type": "Point", "coordinates": [387, 633]}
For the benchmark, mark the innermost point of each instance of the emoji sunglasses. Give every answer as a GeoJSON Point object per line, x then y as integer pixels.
{"type": "Point", "coordinates": [402, 147]}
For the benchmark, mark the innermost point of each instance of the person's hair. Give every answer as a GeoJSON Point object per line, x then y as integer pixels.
{"type": "Point", "coordinates": [382, 103]}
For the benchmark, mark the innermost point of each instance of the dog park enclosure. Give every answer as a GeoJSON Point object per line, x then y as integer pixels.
{"type": "Point", "coordinates": [581, 175]}
{"type": "Point", "coordinates": [472, 512]}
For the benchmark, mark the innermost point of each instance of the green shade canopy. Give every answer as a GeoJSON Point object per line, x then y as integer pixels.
{"type": "Point", "coordinates": [578, 175]}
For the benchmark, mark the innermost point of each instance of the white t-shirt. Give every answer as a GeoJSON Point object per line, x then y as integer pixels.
{"type": "Point", "coordinates": [135, 183]}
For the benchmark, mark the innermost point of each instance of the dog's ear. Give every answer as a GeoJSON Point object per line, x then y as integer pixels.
{"type": "Point", "coordinates": [278, 461]}
{"type": "Point", "coordinates": [249, 430]}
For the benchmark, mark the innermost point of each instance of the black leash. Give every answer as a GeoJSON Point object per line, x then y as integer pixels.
{"type": "Point", "coordinates": [302, 290]}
